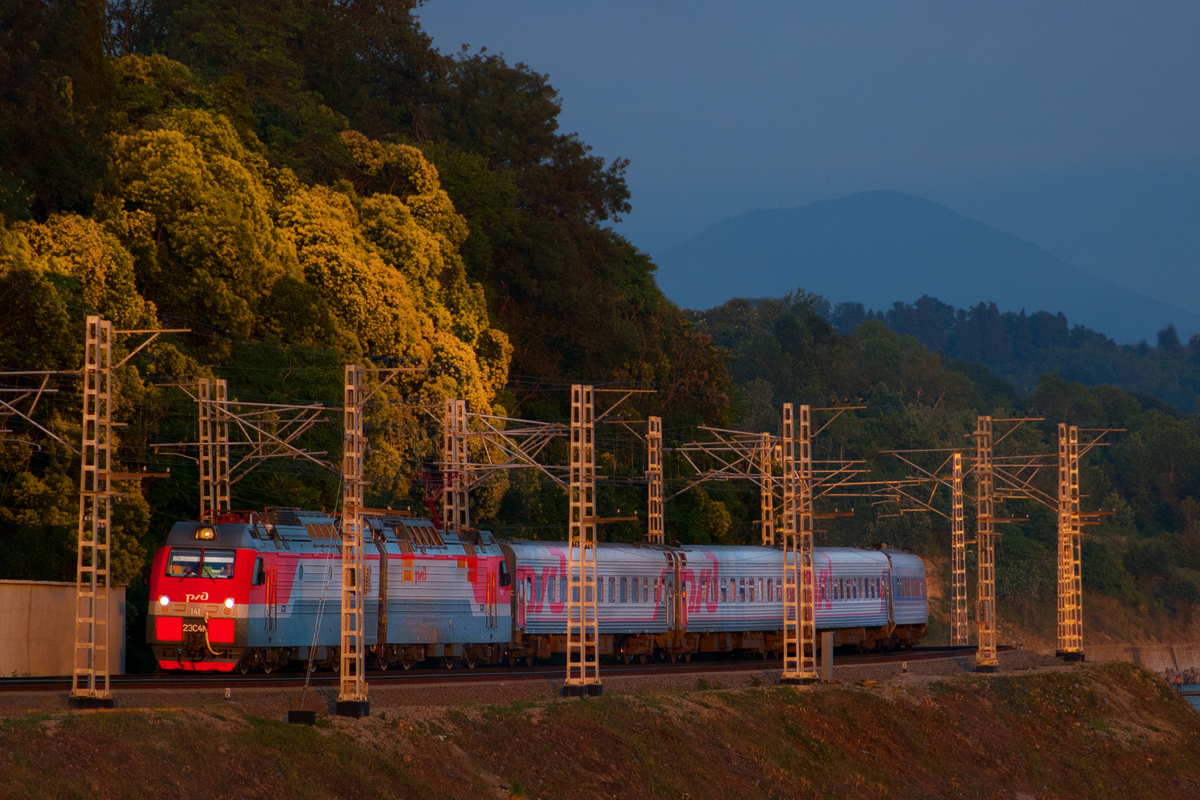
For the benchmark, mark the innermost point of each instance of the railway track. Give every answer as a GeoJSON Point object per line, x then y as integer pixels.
{"type": "Point", "coordinates": [550, 672]}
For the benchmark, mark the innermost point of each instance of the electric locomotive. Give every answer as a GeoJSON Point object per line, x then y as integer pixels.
{"type": "Point", "coordinates": [259, 590]}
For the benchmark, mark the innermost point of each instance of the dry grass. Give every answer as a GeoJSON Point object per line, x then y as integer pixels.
{"type": "Point", "coordinates": [1101, 731]}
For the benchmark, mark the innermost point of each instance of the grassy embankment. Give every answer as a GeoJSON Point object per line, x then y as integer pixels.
{"type": "Point", "coordinates": [1099, 731]}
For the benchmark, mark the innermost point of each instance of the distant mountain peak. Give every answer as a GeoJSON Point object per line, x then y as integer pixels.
{"type": "Point", "coordinates": [882, 246]}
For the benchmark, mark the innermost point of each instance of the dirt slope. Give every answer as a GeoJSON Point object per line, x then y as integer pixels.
{"type": "Point", "coordinates": [1098, 731]}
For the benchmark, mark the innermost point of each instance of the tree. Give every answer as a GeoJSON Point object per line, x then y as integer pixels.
{"type": "Point", "coordinates": [1168, 339]}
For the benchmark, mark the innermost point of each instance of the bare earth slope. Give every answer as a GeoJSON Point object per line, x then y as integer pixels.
{"type": "Point", "coordinates": [1086, 732]}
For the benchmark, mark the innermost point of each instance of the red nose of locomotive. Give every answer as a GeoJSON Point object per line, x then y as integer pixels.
{"type": "Point", "coordinates": [199, 596]}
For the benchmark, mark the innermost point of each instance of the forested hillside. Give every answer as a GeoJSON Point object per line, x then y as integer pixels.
{"type": "Point", "coordinates": [1146, 553]}
{"type": "Point", "coordinates": [310, 184]}
{"type": "Point", "coordinates": [1021, 348]}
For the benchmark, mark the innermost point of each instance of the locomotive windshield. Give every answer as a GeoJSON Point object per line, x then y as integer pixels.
{"type": "Point", "coordinates": [200, 563]}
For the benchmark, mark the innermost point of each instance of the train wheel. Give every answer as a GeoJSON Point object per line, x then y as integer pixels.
{"type": "Point", "coordinates": [529, 661]}
{"type": "Point", "coordinates": [627, 656]}
{"type": "Point", "coordinates": [471, 663]}
{"type": "Point", "coordinates": [687, 657]}
{"type": "Point", "coordinates": [447, 662]}
{"type": "Point", "coordinates": [642, 658]}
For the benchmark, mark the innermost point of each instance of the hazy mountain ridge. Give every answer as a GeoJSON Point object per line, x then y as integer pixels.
{"type": "Point", "coordinates": [885, 246]}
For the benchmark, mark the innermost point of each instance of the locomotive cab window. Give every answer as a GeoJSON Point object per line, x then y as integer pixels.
{"type": "Point", "coordinates": [184, 563]}
{"type": "Point", "coordinates": [260, 573]}
{"type": "Point", "coordinates": [200, 564]}
{"type": "Point", "coordinates": [217, 564]}
{"type": "Point", "coordinates": [505, 580]}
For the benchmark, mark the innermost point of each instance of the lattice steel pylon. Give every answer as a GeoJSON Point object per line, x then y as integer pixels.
{"type": "Point", "coordinates": [90, 681]}
{"type": "Point", "coordinates": [805, 516]}
{"type": "Point", "coordinates": [799, 619]}
{"type": "Point", "coordinates": [655, 528]}
{"type": "Point", "coordinates": [352, 697]}
{"type": "Point", "coordinates": [959, 629]}
{"type": "Point", "coordinates": [791, 576]}
{"type": "Point", "coordinates": [583, 635]}
{"type": "Point", "coordinates": [985, 657]}
{"type": "Point", "coordinates": [456, 513]}
{"type": "Point", "coordinates": [1070, 575]}
{"type": "Point", "coordinates": [212, 400]}
{"type": "Point", "coordinates": [766, 490]}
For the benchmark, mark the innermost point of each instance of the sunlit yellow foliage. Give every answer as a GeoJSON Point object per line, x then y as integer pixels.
{"type": "Point", "coordinates": [391, 269]}
{"type": "Point", "coordinates": [195, 223]}
{"type": "Point", "coordinates": [369, 294]}
{"type": "Point", "coordinates": [194, 205]}
{"type": "Point", "coordinates": [79, 248]}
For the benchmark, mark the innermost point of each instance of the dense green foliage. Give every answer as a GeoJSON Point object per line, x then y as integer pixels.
{"type": "Point", "coordinates": [1021, 348]}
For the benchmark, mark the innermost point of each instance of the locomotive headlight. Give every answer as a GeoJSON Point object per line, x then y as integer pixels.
{"type": "Point", "coordinates": [229, 602]}
{"type": "Point", "coordinates": [164, 601]}
{"type": "Point", "coordinates": [205, 533]}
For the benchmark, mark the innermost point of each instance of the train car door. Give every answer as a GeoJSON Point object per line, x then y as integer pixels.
{"type": "Point", "coordinates": [524, 595]}
{"type": "Point", "coordinates": [891, 606]}
{"type": "Point", "coordinates": [685, 587]}
{"type": "Point", "coordinates": [668, 600]}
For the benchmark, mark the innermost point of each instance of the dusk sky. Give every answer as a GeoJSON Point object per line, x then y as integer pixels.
{"type": "Point", "coordinates": [1075, 125]}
